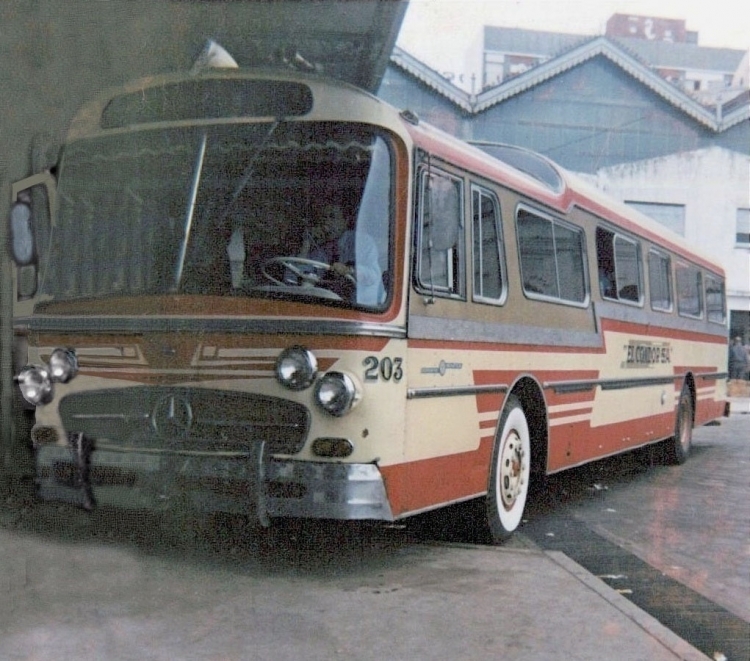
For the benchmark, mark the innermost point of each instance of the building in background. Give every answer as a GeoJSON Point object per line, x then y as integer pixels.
{"type": "Point", "coordinates": [644, 112]}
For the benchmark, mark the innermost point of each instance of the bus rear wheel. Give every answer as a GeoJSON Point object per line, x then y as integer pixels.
{"type": "Point", "coordinates": [510, 472]}
{"type": "Point", "coordinates": [678, 447]}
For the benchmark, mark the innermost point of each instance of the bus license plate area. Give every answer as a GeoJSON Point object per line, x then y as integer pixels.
{"type": "Point", "coordinates": [161, 481]}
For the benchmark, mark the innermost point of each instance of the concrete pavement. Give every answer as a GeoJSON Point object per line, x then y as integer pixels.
{"type": "Point", "coordinates": [67, 594]}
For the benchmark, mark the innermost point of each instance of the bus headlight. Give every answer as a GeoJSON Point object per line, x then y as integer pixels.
{"type": "Point", "coordinates": [35, 384]}
{"type": "Point", "coordinates": [296, 368]}
{"type": "Point", "coordinates": [63, 365]}
{"type": "Point", "coordinates": [337, 393]}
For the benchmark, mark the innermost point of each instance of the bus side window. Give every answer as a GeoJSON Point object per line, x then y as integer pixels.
{"type": "Point", "coordinates": [715, 296]}
{"type": "Point", "coordinates": [619, 263]}
{"type": "Point", "coordinates": [441, 252]}
{"type": "Point", "coordinates": [660, 280]}
{"type": "Point", "coordinates": [689, 291]}
{"type": "Point", "coordinates": [489, 280]}
{"type": "Point", "coordinates": [551, 254]}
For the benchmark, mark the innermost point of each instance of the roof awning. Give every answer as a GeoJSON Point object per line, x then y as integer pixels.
{"type": "Point", "coordinates": [349, 40]}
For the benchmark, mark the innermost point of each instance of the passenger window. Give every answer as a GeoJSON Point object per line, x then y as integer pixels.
{"type": "Point", "coordinates": [715, 307]}
{"type": "Point", "coordinates": [441, 250]}
{"type": "Point", "coordinates": [689, 291]}
{"type": "Point", "coordinates": [489, 268]}
{"type": "Point", "coordinates": [552, 258]}
{"type": "Point", "coordinates": [619, 261]}
{"type": "Point", "coordinates": [660, 281]}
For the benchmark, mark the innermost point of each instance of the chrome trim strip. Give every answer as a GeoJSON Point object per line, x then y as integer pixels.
{"type": "Point", "coordinates": [609, 384]}
{"type": "Point", "coordinates": [455, 391]}
{"type": "Point", "coordinates": [70, 324]}
{"type": "Point", "coordinates": [713, 375]}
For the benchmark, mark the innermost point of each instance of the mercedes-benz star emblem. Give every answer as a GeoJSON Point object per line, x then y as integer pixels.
{"type": "Point", "coordinates": [172, 416]}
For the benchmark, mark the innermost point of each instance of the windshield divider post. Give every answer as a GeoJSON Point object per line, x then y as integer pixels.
{"type": "Point", "coordinates": [191, 209]}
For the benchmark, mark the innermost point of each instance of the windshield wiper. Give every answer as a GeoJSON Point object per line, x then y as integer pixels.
{"type": "Point", "coordinates": [247, 175]}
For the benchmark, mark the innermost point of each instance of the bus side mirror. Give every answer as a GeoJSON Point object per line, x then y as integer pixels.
{"type": "Point", "coordinates": [22, 244]}
{"type": "Point", "coordinates": [30, 226]}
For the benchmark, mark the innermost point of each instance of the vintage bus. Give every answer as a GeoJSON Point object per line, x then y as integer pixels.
{"type": "Point", "coordinates": [193, 339]}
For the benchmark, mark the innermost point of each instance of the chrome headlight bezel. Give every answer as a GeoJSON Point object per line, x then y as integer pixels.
{"type": "Point", "coordinates": [35, 384]}
{"type": "Point", "coordinates": [337, 393]}
{"type": "Point", "coordinates": [63, 365]}
{"type": "Point", "coordinates": [296, 368]}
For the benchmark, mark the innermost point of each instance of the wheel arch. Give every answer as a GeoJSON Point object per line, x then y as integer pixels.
{"type": "Point", "coordinates": [531, 396]}
{"type": "Point", "coordinates": [689, 383]}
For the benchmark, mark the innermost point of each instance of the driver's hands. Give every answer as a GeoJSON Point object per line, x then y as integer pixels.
{"type": "Point", "coordinates": [342, 269]}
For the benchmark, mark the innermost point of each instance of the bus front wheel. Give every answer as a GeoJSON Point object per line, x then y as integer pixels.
{"type": "Point", "coordinates": [678, 447]}
{"type": "Point", "coordinates": [510, 472]}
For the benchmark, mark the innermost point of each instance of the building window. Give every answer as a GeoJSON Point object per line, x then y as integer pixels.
{"type": "Point", "coordinates": [671, 216]}
{"type": "Point", "coordinates": [619, 262]}
{"type": "Point", "coordinates": [743, 227]}
{"type": "Point", "coordinates": [689, 291]}
{"type": "Point", "coordinates": [660, 280]}
{"type": "Point", "coordinates": [489, 280]}
{"type": "Point", "coordinates": [552, 258]}
{"type": "Point", "coordinates": [441, 246]}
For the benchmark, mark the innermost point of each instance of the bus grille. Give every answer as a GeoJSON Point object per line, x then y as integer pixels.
{"type": "Point", "coordinates": [187, 419]}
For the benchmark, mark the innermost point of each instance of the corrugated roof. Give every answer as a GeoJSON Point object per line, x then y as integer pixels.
{"type": "Point", "coordinates": [579, 54]}
{"type": "Point", "coordinates": [656, 53]}
{"type": "Point", "coordinates": [528, 42]}
{"type": "Point", "coordinates": [684, 56]}
{"type": "Point", "coordinates": [431, 78]}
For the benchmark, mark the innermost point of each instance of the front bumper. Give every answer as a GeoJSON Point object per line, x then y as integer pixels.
{"type": "Point", "coordinates": [248, 483]}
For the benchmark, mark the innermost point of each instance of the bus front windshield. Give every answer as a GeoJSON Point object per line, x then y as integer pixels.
{"type": "Point", "coordinates": [300, 211]}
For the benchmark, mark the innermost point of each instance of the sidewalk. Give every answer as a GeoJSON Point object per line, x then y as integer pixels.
{"type": "Point", "coordinates": [739, 404]}
{"type": "Point", "coordinates": [88, 600]}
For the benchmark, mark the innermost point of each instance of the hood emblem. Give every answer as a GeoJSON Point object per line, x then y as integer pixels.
{"type": "Point", "coordinates": [172, 416]}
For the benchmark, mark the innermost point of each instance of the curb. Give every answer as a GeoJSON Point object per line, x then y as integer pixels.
{"type": "Point", "coordinates": [666, 637]}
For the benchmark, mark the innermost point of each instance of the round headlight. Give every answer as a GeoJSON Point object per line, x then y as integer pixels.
{"type": "Point", "coordinates": [35, 385]}
{"type": "Point", "coordinates": [296, 368]}
{"type": "Point", "coordinates": [336, 393]}
{"type": "Point", "coordinates": [63, 365]}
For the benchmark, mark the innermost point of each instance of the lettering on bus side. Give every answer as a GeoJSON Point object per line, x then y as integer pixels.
{"type": "Point", "coordinates": [646, 354]}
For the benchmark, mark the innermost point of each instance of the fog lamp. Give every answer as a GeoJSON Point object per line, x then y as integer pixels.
{"type": "Point", "coordinates": [44, 436]}
{"type": "Point", "coordinates": [337, 393]}
{"type": "Point", "coordinates": [63, 365]}
{"type": "Point", "coordinates": [296, 368]}
{"type": "Point", "coordinates": [35, 384]}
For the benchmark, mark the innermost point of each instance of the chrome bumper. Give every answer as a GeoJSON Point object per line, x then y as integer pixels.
{"type": "Point", "coordinates": [251, 484]}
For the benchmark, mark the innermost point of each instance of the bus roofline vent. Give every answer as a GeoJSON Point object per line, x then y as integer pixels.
{"type": "Point", "coordinates": [213, 56]}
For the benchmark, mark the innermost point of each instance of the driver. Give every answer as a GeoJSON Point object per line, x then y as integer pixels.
{"type": "Point", "coordinates": [349, 254]}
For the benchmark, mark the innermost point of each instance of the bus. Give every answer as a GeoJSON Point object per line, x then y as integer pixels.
{"type": "Point", "coordinates": [268, 293]}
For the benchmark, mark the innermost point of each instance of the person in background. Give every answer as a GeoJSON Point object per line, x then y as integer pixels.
{"type": "Point", "coordinates": [737, 359]}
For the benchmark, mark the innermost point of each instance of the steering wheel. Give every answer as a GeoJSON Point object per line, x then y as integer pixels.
{"type": "Point", "coordinates": [310, 278]}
